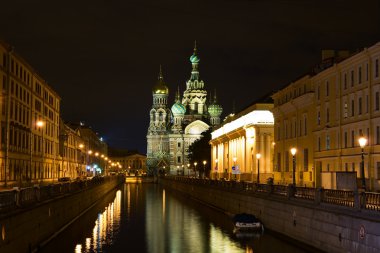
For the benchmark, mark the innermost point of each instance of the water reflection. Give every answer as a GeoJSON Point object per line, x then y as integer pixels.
{"type": "Point", "coordinates": [106, 227]}
{"type": "Point", "coordinates": [147, 218]}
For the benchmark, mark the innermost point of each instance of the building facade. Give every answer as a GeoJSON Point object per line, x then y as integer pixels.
{"type": "Point", "coordinates": [242, 147]}
{"type": "Point", "coordinates": [30, 111]}
{"type": "Point", "coordinates": [324, 114]}
{"type": "Point", "coordinates": [36, 145]}
{"type": "Point", "coordinates": [130, 164]}
{"type": "Point", "coordinates": [172, 130]}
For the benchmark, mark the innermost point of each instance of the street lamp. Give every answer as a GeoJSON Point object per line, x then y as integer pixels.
{"type": "Point", "coordinates": [258, 156]}
{"type": "Point", "coordinates": [204, 168]}
{"type": "Point", "coordinates": [188, 169]}
{"type": "Point", "coordinates": [183, 170]}
{"type": "Point", "coordinates": [177, 170]}
{"type": "Point", "coordinates": [362, 143]}
{"type": "Point", "coordinates": [195, 168]}
{"type": "Point", "coordinates": [40, 124]}
{"type": "Point", "coordinates": [294, 151]}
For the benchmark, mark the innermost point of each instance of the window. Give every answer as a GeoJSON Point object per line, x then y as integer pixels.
{"type": "Point", "coordinates": [353, 166]}
{"type": "Point", "coordinates": [360, 75]}
{"type": "Point", "coordinates": [345, 139]}
{"type": "Point", "coordinates": [352, 78]}
{"type": "Point", "coordinates": [352, 108]}
{"type": "Point", "coordinates": [305, 124]}
{"type": "Point", "coordinates": [345, 110]}
{"type": "Point", "coordinates": [178, 144]}
{"type": "Point", "coordinates": [377, 101]}
{"type": "Point", "coordinates": [378, 135]}
{"type": "Point", "coordinates": [327, 115]}
{"type": "Point", "coordinates": [178, 159]}
{"type": "Point", "coordinates": [352, 138]}
{"type": "Point", "coordinates": [278, 161]}
{"type": "Point", "coordinates": [360, 106]}
{"type": "Point", "coordinates": [366, 72]}
{"type": "Point", "coordinates": [345, 81]}
{"type": "Point", "coordinates": [327, 142]}
{"type": "Point", "coordinates": [305, 159]}
{"type": "Point", "coordinates": [346, 166]}
{"type": "Point", "coordinates": [319, 118]}
{"type": "Point", "coordinates": [287, 161]}
{"type": "Point", "coordinates": [378, 170]}
{"type": "Point", "coordinates": [366, 104]}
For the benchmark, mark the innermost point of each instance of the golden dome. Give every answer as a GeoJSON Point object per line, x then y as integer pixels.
{"type": "Point", "coordinates": [160, 87]}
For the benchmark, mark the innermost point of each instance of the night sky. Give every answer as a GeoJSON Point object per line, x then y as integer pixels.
{"type": "Point", "coordinates": [103, 56]}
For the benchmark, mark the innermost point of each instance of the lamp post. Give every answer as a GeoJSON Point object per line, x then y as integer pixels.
{"type": "Point", "coordinates": [195, 168]}
{"type": "Point", "coordinates": [234, 159]}
{"type": "Point", "coordinates": [40, 125]}
{"type": "Point", "coordinates": [188, 169]}
{"type": "Point", "coordinates": [294, 151]}
{"type": "Point", "coordinates": [216, 166]}
{"type": "Point", "coordinates": [258, 156]}
{"type": "Point", "coordinates": [362, 143]}
{"type": "Point", "coordinates": [183, 170]}
{"type": "Point", "coordinates": [204, 168]}
{"type": "Point", "coordinates": [177, 170]}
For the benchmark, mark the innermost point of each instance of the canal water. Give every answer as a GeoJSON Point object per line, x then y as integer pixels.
{"type": "Point", "coordinates": [148, 218]}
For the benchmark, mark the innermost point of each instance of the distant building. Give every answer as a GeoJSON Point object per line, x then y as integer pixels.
{"type": "Point", "coordinates": [237, 144]}
{"type": "Point", "coordinates": [86, 147]}
{"type": "Point", "coordinates": [130, 163]}
{"type": "Point", "coordinates": [323, 114]}
{"type": "Point", "coordinates": [172, 131]}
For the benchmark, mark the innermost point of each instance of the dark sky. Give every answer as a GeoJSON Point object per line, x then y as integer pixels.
{"type": "Point", "coordinates": [103, 56]}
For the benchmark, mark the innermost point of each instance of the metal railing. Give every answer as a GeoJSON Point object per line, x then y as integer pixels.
{"type": "Point", "coordinates": [24, 197]}
{"type": "Point", "coordinates": [351, 199]}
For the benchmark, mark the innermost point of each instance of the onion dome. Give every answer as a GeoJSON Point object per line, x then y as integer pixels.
{"type": "Point", "coordinates": [194, 57]}
{"type": "Point", "coordinates": [160, 87]}
{"type": "Point", "coordinates": [178, 108]}
{"type": "Point", "coordinates": [214, 109]}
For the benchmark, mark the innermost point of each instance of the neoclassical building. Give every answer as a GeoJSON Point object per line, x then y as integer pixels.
{"type": "Point", "coordinates": [172, 130]}
{"type": "Point", "coordinates": [323, 114]}
{"type": "Point", "coordinates": [244, 143]}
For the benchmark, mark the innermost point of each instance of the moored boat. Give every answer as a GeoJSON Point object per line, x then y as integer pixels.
{"type": "Point", "coordinates": [247, 222]}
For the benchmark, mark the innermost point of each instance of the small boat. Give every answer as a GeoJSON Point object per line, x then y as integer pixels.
{"type": "Point", "coordinates": [247, 222]}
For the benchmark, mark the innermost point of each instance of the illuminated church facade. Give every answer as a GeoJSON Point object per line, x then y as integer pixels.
{"type": "Point", "coordinates": [173, 129]}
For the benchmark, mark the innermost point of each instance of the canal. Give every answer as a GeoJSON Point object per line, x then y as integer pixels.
{"type": "Point", "coordinates": [147, 218]}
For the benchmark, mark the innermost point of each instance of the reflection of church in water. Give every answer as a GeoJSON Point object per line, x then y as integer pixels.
{"type": "Point", "coordinates": [172, 131]}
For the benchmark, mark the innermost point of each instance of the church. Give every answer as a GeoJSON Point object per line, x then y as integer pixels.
{"type": "Point", "coordinates": [173, 129]}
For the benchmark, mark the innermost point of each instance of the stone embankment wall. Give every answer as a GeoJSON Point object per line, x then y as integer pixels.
{"type": "Point", "coordinates": [26, 229]}
{"type": "Point", "coordinates": [327, 227]}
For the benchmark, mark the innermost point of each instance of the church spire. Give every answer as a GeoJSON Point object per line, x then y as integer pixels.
{"type": "Point", "coordinates": [160, 77]}
{"type": "Point", "coordinates": [177, 96]}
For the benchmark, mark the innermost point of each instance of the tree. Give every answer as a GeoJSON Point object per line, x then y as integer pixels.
{"type": "Point", "coordinates": [200, 151]}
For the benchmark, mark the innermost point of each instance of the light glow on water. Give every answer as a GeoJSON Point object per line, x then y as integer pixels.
{"type": "Point", "coordinates": [106, 227]}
